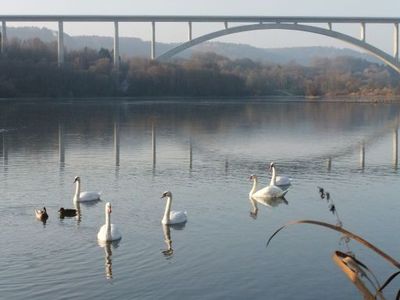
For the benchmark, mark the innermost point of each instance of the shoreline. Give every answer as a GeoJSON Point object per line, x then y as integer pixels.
{"type": "Point", "coordinates": [205, 100]}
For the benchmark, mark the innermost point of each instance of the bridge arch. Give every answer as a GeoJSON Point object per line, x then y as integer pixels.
{"type": "Point", "coordinates": [383, 56]}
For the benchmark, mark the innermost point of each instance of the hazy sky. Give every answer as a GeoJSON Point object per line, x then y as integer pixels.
{"type": "Point", "coordinates": [379, 35]}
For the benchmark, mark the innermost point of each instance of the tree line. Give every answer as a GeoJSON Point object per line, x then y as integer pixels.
{"type": "Point", "coordinates": [29, 69]}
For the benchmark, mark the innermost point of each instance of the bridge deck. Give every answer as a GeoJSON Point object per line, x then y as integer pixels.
{"type": "Point", "coordinates": [182, 18]}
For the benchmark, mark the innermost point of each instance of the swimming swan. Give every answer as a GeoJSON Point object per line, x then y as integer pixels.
{"type": "Point", "coordinates": [108, 232]}
{"type": "Point", "coordinates": [172, 217]}
{"type": "Point", "coordinates": [270, 191]}
{"type": "Point", "coordinates": [84, 196]}
{"type": "Point", "coordinates": [283, 182]}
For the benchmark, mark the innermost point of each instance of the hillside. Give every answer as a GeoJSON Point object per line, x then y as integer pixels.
{"type": "Point", "coordinates": [135, 47]}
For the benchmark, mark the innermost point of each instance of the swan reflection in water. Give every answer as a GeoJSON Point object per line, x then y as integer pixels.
{"type": "Point", "coordinates": [108, 246]}
{"type": "Point", "coordinates": [168, 252]}
{"type": "Point", "coordinates": [266, 201]}
{"type": "Point", "coordinates": [167, 239]}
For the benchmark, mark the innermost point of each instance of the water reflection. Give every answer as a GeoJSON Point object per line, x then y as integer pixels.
{"type": "Point", "coordinates": [61, 145]}
{"type": "Point", "coordinates": [4, 149]}
{"type": "Point", "coordinates": [108, 246]}
{"type": "Point", "coordinates": [167, 239]}
{"type": "Point", "coordinates": [153, 144]}
{"type": "Point", "coordinates": [266, 201]}
{"type": "Point", "coordinates": [362, 155]}
{"type": "Point", "coordinates": [169, 251]}
{"type": "Point", "coordinates": [190, 154]}
{"type": "Point", "coordinates": [214, 119]}
{"type": "Point", "coordinates": [395, 148]}
{"type": "Point", "coordinates": [116, 143]}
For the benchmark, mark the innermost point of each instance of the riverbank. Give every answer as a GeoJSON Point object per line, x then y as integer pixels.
{"type": "Point", "coordinates": [205, 100]}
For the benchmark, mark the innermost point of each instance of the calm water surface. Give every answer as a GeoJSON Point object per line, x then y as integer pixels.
{"type": "Point", "coordinates": [204, 154]}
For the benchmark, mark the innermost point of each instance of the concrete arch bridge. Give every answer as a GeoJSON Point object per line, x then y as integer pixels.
{"type": "Point", "coordinates": [231, 25]}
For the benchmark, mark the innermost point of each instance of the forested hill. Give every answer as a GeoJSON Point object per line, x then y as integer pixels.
{"type": "Point", "coordinates": [131, 47]}
{"type": "Point", "coordinates": [29, 69]}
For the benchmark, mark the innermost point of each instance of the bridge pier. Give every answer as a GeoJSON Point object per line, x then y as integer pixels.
{"type": "Point", "coordinates": [153, 40]}
{"type": "Point", "coordinates": [363, 33]}
{"type": "Point", "coordinates": [226, 25]}
{"type": "Point", "coordinates": [60, 43]}
{"type": "Point", "coordinates": [330, 26]}
{"type": "Point", "coordinates": [190, 31]}
{"type": "Point", "coordinates": [3, 37]}
{"type": "Point", "coordinates": [396, 42]}
{"type": "Point", "coordinates": [116, 46]}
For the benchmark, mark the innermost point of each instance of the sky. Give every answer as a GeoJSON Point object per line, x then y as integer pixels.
{"type": "Point", "coordinates": [378, 35]}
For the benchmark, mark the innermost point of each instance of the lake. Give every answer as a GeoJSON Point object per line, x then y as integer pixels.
{"type": "Point", "coordinates": [204, 153]}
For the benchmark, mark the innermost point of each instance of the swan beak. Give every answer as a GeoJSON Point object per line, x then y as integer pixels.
{"type": "Point", "coordinates": [109, 210]}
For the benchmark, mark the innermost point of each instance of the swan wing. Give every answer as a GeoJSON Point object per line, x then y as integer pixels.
{"type": "Point", "coordinates": [102, 234]}
{"type": "Point", "coordinates": [89, 196]}
{"type": "Point", "coordinates": [282, 180]}
{"type": "Point", "coordinates": [177, 217]}
{"type": "Point", "coordinates": [262, 193]}
{"type": "Point", "coordinates": [115, 233]}
{"type": "Point", "coordinates": [271, 191]}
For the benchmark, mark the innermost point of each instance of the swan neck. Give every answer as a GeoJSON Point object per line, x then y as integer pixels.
{"type": "Point", "coordinates": [77, 190]}
{"type": "Point", "coordinates": [273, 177]}
{"type": "Point", "coordinates": [253, 189]}
{"type": "Point", "coordinates": [108, 223]}
{"type": "Point", "coordinates": [166, 218]}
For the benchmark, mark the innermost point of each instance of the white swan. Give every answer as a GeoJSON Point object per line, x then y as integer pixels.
{"type": "Point", "coordinates": [172, 217]}
{"type": "Point", "coordinates": [84, 196]}
{"type": "Point", "coordinates": [284, 182]}
{"type": "Point", "coordinates": [108, 232]}
{"type": "Point", "coordinates": [270, 191]}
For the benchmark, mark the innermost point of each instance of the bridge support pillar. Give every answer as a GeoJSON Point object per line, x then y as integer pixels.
{"type": "Point", "coordinates": [396, 42]}
{"type": "Point", "coordinates": [226, 25]}
{"type": "Point", "coordinates": [153, 40]}
{"type": "Point", "coordinates": [60, 43]}
{"type": "Point", "coordinates": [3, 37]}
{"type": "Point", "coordinates": [363, 33]}
{"type": "Point", "coordinates": [395, 147]}
{"type": "Point", "coordinates": [190, 31]}
{"type": "Point", "coordinates": [116, 46]}
{"type": "Point", "coordinates": [330, 26]}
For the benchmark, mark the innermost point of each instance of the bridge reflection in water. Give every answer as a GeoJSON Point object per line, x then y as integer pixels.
{"type": "Point", "coordinates": [116, 146]}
